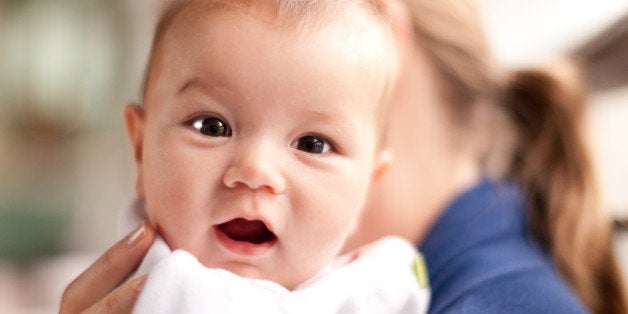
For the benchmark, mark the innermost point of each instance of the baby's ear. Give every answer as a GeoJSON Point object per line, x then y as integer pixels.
{"type": "Point", "coordinates": [382, 162]}
{"type": "Point", "coordinates": [134, 118]}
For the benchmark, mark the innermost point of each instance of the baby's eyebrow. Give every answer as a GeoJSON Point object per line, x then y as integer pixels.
{"type": "Point", "coordinates": [340, 120]}
{"type": "Point", "coordinates": [195, 82]}
{"type": "Point", "coordinates": [206, 85]}
{"type": "Point", "coordinates": [321, 116]}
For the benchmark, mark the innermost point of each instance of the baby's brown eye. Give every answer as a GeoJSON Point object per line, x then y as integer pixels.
{"type": "Point", "coordinates": [313, 145]}
{"type": "Point", "coordinates": [212, 127]}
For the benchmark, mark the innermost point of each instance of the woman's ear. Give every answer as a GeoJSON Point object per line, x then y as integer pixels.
{"type": "Point", "coordinates": [134, 118]}
{"type": "Point", "coordinates": [382, 163]}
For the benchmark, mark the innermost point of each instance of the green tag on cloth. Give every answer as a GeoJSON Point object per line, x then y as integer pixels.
{"type": "Point", "coordinates": [419, 268]}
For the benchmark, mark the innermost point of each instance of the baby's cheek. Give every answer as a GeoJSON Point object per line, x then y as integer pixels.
{"type": "Point", "coordinates": [179, 229]}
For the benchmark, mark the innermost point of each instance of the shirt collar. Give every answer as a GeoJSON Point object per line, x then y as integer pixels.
{"type": "Point", "coordinates": [488, 210]}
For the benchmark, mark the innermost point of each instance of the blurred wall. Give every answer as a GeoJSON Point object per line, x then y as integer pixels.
{"type": "Point", "coordinates": [68, 68]}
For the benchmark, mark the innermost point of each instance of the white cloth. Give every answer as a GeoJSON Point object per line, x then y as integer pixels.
{"type": "Point", "coordinates": [380, 280]}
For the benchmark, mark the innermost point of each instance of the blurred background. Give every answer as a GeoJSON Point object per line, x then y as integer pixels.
{"type": "Point", "coordinates": [67, 67]}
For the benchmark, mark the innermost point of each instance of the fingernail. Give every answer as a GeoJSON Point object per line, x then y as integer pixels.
{"type": "Point", "coordinates": [136, 236]}
{"type": "Point", "coordinates": [140, 284]}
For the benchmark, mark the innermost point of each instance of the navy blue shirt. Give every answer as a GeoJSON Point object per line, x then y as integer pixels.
{"type": "Point", "coordinates": [481, 259]}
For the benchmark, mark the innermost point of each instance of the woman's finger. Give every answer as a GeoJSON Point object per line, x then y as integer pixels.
{"type": "Point", "coordinates": [108, 271]}
{"type": "Point", "coordinates": [120, 300]}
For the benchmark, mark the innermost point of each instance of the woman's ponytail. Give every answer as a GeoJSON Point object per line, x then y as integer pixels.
{"type": "Point", "coordinates": [553, 164]}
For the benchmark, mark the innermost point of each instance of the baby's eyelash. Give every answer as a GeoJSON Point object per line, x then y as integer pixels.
{"type": "Point", "coordinates": [315, 144]}
{"type": "Point", "coordinates": [211, 126]}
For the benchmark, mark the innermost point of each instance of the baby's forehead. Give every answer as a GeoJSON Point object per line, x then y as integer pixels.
{"type": "Point", "coordinates": [298, 17]}
{"type": "Point", "coordinates": [349, 22]}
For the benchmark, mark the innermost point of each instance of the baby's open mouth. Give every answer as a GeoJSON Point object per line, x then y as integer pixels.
{"type": "Point", "coordinates": [253, 231]}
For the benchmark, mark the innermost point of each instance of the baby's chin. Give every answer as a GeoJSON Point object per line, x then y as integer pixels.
{"type": "Point", "coordinates": [253, 272]}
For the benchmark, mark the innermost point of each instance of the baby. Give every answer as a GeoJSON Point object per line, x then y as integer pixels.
{"type": "Point", "coordinates": [260, 132]}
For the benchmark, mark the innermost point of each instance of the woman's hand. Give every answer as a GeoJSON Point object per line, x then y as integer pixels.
{"type": "Point", "coordinates": [96, 289]}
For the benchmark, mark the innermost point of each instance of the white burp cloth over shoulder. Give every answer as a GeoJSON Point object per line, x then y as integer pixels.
{"type": "Point", "coordinates": [386, 276]}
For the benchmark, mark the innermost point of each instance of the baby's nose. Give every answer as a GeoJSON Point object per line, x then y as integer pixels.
{"type": "Point", "coordinates": [257, 169]}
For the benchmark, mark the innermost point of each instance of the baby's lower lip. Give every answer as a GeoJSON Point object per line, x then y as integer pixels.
{"type": "Point", "coordinates": [243, 247]}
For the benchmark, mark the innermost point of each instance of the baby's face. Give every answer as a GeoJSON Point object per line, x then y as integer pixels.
{"type": "Point", "coordinates": [257, 144]}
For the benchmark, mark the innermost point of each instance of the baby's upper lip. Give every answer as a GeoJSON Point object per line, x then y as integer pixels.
{"type": "Point", "coordinates": [263, 220]}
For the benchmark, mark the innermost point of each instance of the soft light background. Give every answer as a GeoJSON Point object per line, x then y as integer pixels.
{"type": "Point", "coordinates": [67, 67]}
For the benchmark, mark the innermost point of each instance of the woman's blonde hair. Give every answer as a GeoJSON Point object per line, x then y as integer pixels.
{"type": "Point", "coordinates": [545, 109]}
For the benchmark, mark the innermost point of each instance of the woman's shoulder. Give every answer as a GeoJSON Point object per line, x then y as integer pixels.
{"type": "Point", "coordinates": [502, 277]}
{"type": "Point", "coordinates": [523, 291]}
{"type": "Point", "coordinates": [480, 258]}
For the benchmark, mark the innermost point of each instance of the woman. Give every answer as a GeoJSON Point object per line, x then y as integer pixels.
{"type": "Point", "coordinates": [524, 240]}
{"type": "Point", "coordinates": [530, 241]}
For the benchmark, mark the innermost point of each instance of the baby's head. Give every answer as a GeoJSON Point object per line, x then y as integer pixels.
{"type": "Point", "coordinates": [261, 130]}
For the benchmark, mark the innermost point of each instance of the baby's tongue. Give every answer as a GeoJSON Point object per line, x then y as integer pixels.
{"type": "Point", "coordinates": [240, 229]}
